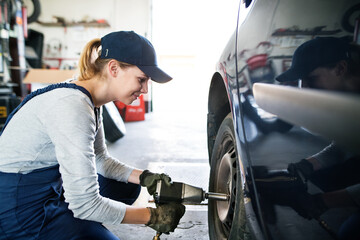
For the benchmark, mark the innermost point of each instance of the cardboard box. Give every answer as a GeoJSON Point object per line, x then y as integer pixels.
{"type": "Point", "coordinates": [39, 78]}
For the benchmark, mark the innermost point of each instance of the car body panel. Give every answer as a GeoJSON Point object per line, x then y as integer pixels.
{"type": "Point", "coordinates": [260, 49]}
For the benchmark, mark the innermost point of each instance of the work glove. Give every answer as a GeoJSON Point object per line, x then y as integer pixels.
{"type": "Point", "coordinates": [303, 167]}
{"type": "Point", "coordinates": [149, 180]}
{"type": "Point", "coordinates": [165, 217]}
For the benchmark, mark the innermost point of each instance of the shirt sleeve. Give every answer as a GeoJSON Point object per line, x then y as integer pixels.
{"type": "Point", "coordinates": [354, 192]}
{"type": "Point", "coordinates": [106, 165]}
{"type": "Point", "coordinates": [70, 124]}
{"type": "Point", "coordinates": [331, 155]}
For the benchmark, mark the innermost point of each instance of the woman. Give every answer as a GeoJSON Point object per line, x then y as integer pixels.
{"type": "Point", "coordinates": [57, 180]}
{"type": "Point", "coordinates": [332, 64]}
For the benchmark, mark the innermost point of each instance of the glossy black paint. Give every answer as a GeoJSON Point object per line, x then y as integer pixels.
{"type": "Point", "coordinates": [260, 49]}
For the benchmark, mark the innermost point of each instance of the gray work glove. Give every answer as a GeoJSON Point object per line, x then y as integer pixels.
{"type": "Point", "coordinates": [165, 217]}
{"type": "Point", "coordinates": [149, 180]}
{"type": "Point", "coordinates": [305, 168]}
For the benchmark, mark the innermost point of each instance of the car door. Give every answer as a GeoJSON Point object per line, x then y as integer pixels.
{"type": "Point", "coordinates": [266, 41]}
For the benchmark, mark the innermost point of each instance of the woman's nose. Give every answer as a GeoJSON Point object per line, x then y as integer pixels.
{"type": "Point", "coordinates": [144, 87]}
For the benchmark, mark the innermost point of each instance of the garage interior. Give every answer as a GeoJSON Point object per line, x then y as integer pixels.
{"type": "Point", "coordinates": [170, 136]}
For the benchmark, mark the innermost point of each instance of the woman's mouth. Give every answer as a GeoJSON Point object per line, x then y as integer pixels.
{"type": "Point", "coordinates": [136, 95]}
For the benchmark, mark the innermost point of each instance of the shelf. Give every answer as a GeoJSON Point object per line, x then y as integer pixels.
{"type": "Point", "coordinates": [73, 24]}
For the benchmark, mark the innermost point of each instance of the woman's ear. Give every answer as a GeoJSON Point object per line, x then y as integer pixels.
{"type": "Point", "coordinates": [341, 68]}
{"type": "Point", "coordinates": [113, 68]}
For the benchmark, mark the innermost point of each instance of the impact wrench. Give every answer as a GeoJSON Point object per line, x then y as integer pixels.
{"type": "Point", "coordinates": [183, 193]}
{"type": "Point", "coordinates": [278, 181]}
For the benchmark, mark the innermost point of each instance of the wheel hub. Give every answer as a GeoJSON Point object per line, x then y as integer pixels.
{"type": "Point", "coordinates": [224, 184]}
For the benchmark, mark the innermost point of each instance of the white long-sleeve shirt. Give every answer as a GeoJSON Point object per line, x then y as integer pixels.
{"type": "Point", "coordinates": [59, 127]}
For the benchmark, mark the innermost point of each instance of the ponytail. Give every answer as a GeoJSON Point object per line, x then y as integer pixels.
{"type": "Point", "coordinates": [354, 62]}
{"type": "Point", "coordinates": [90, 63]}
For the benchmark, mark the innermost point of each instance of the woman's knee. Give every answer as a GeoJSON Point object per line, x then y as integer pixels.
{"type": "Point", "coordinates": [349, 230]}
{"type": "Point", "coordinates": [119, 191]}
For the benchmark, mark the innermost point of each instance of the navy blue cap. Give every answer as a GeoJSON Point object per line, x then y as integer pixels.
{"type": "Point", "coordinates": [129, 47]}
{"type": "Point", "coordinates": [315, 53]}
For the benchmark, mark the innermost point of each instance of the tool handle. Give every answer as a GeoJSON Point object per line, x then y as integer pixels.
{"type": "Point", "coordinates": [325, 226]}
{"type": "Point", "coordinates": [157, 236]}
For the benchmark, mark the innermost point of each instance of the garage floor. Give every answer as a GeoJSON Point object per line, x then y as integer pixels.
{"type": "Point", "coordinates": [168, 142]}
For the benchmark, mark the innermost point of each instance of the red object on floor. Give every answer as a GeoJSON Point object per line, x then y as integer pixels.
{"type": "Point", "coordinates": [132, 112]}
{"type": "Point", "coordinates": [121, 108]}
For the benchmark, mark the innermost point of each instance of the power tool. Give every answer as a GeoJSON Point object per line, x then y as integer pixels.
{"type": "Point", "coordinates": [275, 186]}
{"type": "Point", "coordinates": [184, 193]}
{"type": "Point", "coordinates": [276, 182]}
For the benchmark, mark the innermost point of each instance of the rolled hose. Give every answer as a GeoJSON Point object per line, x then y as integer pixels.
{"type": "Point", "coordinates": [34, 15]}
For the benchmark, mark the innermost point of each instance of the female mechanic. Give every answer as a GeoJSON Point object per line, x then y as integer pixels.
{"type": "Point", "coordinates": [57, 180]}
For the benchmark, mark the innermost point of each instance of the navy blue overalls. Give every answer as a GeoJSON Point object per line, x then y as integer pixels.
{"type": "Point", "coordinates": [32, 205]}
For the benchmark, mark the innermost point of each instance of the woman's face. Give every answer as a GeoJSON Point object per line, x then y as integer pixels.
{"type": "Point", "coordinates": [329, 78]}
{"type": "Point", "coordinates": [129, 84]}
{"type": "Point", "coordinates": [323, 78]}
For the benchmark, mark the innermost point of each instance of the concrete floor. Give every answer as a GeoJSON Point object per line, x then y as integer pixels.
{"type": "Point", "coordinates": [173, 142]}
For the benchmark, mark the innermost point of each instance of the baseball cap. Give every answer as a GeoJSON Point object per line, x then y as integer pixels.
{"type": "Point", "coordinates": [129, 47]}
{"type": "Point", "coordinates": [315, 53]}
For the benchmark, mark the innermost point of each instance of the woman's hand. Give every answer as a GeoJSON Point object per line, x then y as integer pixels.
{"type": "Point", "coordinates": [165, 217]}
{"type": "Point", "coordinates": [149, 180]}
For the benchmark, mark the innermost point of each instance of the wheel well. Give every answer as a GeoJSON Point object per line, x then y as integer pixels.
{"type": "Point", "coordinates": [218, 108]}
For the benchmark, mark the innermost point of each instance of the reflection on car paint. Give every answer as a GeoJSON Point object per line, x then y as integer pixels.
{"type": "Point", "coordinates": [259, 50]}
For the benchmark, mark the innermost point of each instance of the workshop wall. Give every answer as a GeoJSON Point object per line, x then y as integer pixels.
{"type": "Point", "coordinates": [73, 23]}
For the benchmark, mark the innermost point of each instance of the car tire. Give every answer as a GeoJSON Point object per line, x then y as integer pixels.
{"type": "Point", "coordinates": [36, 10]}
{"type": "Point", "coordinates": [226, 219]}
{"type": "Point", "coordinates": [347, 19]}
{"type": "Point", "coordinates": [114, 126]}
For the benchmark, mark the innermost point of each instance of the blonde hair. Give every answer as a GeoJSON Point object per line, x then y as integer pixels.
{"type": "Point", "coordinates": [90, 63]}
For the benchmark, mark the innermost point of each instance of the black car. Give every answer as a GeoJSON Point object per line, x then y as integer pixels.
{"type": "Point", "coordinates": [257, 125]}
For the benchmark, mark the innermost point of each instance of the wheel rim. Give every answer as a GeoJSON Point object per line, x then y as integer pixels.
{"type": "Point", "coordinates": [226, 183]}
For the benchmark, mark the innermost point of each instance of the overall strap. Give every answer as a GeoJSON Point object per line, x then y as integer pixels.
{"type": "Point", "coordinates": [41, 91]}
